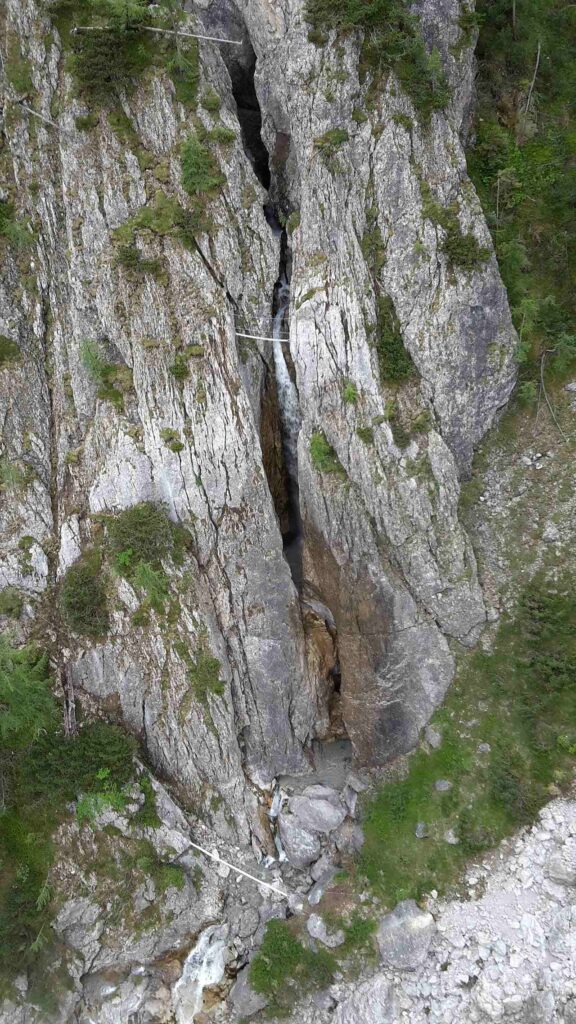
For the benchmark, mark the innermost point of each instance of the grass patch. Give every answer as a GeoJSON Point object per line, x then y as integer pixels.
{"type": "Point", "coordinates": [9, 352]}
{"type": "Point", "coordinates": [328, 146]}
{"type": "Point", "coordinates": [17, 68]}
{"type": "Point", "coordinates": [10, 227]}
{"type": "Point", "coordinates": [323, 456]}
{"type": "Point", "coordinates": [83, 599]}
{"type": "Point", "coordinates": [523, 696]}
{"type": "Point", "coordinates": [283, 968]}
{"type": "Point", "coordinates": [113, 379]}
{"type": "Point", "coordinates": [349, 392]}
{"type": "Point", "coordinates": [394, 361]}
{"type": "Point", "coordinates": [391, 43]}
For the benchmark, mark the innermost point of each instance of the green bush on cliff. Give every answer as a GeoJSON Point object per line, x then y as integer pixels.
{"type": "Point", "coordinates": [200, 171]}
{"type": "Point", "coordinates": [142, 532]}
{"type": "Point", "coordinates": [83, 598]}
{"type": "Point", "coordinates": [391, 42]}
{"type": "Point", "coordinates": [323, 456]}
{"type": "Point", "coordinates": [41, 771]}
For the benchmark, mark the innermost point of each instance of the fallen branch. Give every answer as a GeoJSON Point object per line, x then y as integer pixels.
{"type": "Point", "coordinates": [533, 78]}
{"type": "Point", "coordinates": [549, 351]}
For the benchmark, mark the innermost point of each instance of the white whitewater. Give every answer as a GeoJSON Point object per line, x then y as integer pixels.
{"type": "Point", "coordinates": [287, 395]}
{"type": "Point", "coordinates": [204, 966]}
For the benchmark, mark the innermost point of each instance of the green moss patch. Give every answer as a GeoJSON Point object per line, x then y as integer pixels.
{"type": "Point", "coordinates": [9, 352]}
{"type": "Point", "coordinates": [394, 361]}
{"type": "Point", "coordinates": [284, 968]}
{"type": "Point", "coordinates": [323, 456]}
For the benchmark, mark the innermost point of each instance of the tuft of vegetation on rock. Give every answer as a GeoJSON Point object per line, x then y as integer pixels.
{"type": "Point", "coordinates": [328, 146]}
{"type": "Point", "coordinates": [283, 962]}
{"type": "Point", "coordinates": [83, 598]}
{"type": "Point", "coordinates": [9, 352]}
{"type": "Point", "coordinates": [394, 361]}
{"type": "Point", "coordinates": [10, 227]}
{"type": "Point", "coordinates": [142, 533]}
{"type": "Point", "coordinates": [391, 42]}
{"type": "Point", "coordinates": [323, 456]}
{"type": "Point", "coordinates": [200, 171]}
{"type": "Point", "coordinates": [17, 68]}
{"type": "Point", "coordinates": [113, 378]}
{"type": "Point", "coordinates": [11, 602]}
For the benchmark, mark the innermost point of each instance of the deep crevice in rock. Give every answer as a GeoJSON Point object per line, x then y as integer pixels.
{"type": "Point", "coordinates": [279, 409]}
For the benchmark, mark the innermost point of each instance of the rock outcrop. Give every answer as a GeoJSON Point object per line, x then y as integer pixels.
{"type": "Point", "coordinates": [383, 548]}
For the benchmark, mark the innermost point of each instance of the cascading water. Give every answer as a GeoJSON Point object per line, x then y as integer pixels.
{"type": "Point", "coordinates": [287, 395]}
{"type": "Point", "coordinates": [290, 419]}
{"type": "Point", "coordinates": [204, 966]}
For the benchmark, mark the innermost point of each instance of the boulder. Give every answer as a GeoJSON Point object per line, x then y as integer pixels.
{"type": "Point", "coordinates": [318, 808]}
{"type": "Point", "coordinates": [561, 869]}
{"type": "Point", "coordinates": [300, 846]}
{"type": "Point", "coordinates": [442, 786]}
{"type": "Point", "coordinates": [349, 838]}
{"type": "Point", "coordinates": [404, 936]}
{"type": "Point", "coordinates": [317, 929]}
{"type": "Point", "coordinates": [245, 1001]}
{"type": "Point", "coordinates": [319, 888]}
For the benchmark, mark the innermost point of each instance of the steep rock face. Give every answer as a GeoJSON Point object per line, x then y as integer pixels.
{"type": "Point", "coordinates": [78, 455]}
{"type": "Point", "coordinates": [383, 550]}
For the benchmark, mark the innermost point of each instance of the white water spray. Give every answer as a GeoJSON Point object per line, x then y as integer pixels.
{"type": "Point", "coordinates": [204, 966]}
{"type": "Point", "coordinates": [287, 394]}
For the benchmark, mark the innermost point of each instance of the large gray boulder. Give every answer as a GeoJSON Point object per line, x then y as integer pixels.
{"type": "Point", "coordinates": [404, 936]}
{"type": "Point", "coordinates": [319, 808]}
{"type": "Point", "coordinates": [301, 846]}
{"type": "Point", "coordinates": [245, 1001]}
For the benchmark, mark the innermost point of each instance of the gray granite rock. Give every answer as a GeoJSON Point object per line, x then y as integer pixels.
{"type": "Point", "coordinates": [404, 936]}
{"type": "Point", "coordinates": [301, 846]}
{"type": "Point", "coordinates": [245, 1001]}
{"type": "Point", "coordinates": [318, 808]}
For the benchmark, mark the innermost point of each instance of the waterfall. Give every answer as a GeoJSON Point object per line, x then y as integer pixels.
{"type": "Point", "coordinates": [287, 395]}
{"type": "Point", "coordinates": [204, 966]}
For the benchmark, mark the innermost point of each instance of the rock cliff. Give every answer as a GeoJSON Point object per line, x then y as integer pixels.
{"type": "Point", "coordinates": [171, 243]}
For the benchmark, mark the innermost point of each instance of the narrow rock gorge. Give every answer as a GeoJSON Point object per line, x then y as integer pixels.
{"type": "Point", "coordinates": [286, 514]}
